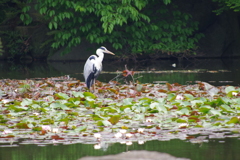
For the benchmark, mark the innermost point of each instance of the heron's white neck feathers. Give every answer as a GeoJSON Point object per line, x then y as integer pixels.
{"type": "Point", "coordinates": [100, 54]}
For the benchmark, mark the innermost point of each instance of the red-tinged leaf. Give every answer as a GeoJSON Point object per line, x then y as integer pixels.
{"type": "Point", "coordinates": [22, 126]}
{"type": "Point", "coordinates": [193, 119]}
{"type": "Point", "coordinates": [112, 90]}
{"type": "Point", "coordinates": [177, 84]}
{"type": "Point", "coordinates": [190, 92]}
{"type": "Point", "coordinates": [126, 73]}
{"type": "Point", "coordinates": [184, 115]}
{"type": "Point", "coordinates": [182, 127]}
{"type": "Point", "coordinates": [64, 127]}
{"type": "Point", "coordinates": [43, 132]}
{"type": "Point", "coordinates": [169, 86]}
{"type": "Point", "coordinates": [51, 84]}
{"type": "Point", "coordinates": [56, 137]}
{"type": "Point", "coordinates": [151, 115]}
{"type": "Point", "coordinates": [157, 127]}
{"type": "Point", "coordinates": [194, 113]}
{"type": "Point", "coordinates": [98, 83]}
{"type": "Point", "coordinates": [101, 90]}
{"type": "Point", "coordinates": [162, 90]}
{"type": "Point", "coordinates": [201, 86]}
{"type": "Point", "coordinates": [174, 107]}
{"type": "Point", "coordinates": [5, 112]}
{"type": "Point", "coordinates": [190, 137]}
{"type": "Point", "coordinates": [9, 136]}
{"type": "Point", "coordinates": [152, 95]}
{"type": "Point", "coordinates": [138, 94]}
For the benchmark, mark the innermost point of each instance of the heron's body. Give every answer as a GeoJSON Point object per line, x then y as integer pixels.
{"type": "Point", "coordinates": [93, 66]}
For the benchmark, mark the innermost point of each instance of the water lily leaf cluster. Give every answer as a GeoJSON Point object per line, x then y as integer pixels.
{"type": "Point", "coordinates": [60, 109]}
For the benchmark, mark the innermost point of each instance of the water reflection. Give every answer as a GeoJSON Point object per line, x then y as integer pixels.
{"type": "Point", "coordinates": [220, 149]}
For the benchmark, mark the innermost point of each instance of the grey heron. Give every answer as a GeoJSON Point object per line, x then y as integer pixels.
{"type": "Point", "coordinates": [93, 66]}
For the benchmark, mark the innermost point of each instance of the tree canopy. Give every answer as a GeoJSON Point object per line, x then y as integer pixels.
{"type": "Point", "coordinates": [134, 26]}
{"type": "Point", "coordinates": [130, 26]}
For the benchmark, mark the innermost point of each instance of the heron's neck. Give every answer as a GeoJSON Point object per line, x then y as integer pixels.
{"type": "Point", "coordinates": [100, 56]}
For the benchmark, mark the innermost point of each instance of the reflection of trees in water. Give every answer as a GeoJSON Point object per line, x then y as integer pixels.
{"type": "Point", "coordinates": [161, 70]}
{"type": "Point", "coordinates": [17, 70]}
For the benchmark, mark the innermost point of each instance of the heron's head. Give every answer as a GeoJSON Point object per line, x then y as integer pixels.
{"type": "Point", "coordinates": [104, 50]}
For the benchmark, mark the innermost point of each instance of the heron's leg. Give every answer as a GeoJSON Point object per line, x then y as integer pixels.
{"type": "Point", "coordinates": [94, 86]}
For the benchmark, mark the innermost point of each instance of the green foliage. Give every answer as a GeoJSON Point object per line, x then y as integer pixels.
{"type": "Point", "coordinates": [11, 40]}
{"type": "Point", "coordinates": [14, 43]}
{"type": "Point", "coordinates": [1, 47]}
{"type": "Point", "coordinates": [226, 5]}
{"type": "Point", "coordinates": [135, 26]}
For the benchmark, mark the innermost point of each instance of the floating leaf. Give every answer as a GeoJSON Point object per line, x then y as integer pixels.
{"type": "Point", "coordinates": [78, 94]}
{"type": "Point", "coordinates": [81, 129]}
{"type": "Point", "coordinates": [22, 125]}
{"type": "Point", "coordinates": [114, 119]}
{"type": "Point", "coordinates": [58, 106]}
{"type": "Point", "coordinates": [37, 128]}
{"type": "Point", "coordinates": [62, 95]}
{"type": "Point", "coordinates": [89, 94]}
{"type": "Point", "coordinates": [226, 108]}
{"type": "Point", "coordinates": [26, 102]}
{"type": "Point", "coordinates": [229, 89]}
{"type": "Point", "coordinates": [181, 121]}
{"type": "Point", "coordinates": [127, 101]}
{"type": "Point", "coordinates": [171, 97]}
{"type": "Point", "coordinates": [233, 120]}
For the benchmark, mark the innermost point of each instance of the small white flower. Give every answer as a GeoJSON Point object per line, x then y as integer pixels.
{"type": "Point", "coordinates": [118, 135]}
{"type": "Point", "coordinates": [97, 135]}
{"type": "Point", "coordinates": [140, 130]}
{"type": "Point", "coordinates": [128, 135]}
{"type": "Point", "coordinates": [97, 146]}
{"type": "Point", "coordinates": [234, 93]}
{"type": "Point", "coordinates": [46, 127]}
{"type": "Point", "coordinates": [183, 125]}
{"type": "Point", "coordinates": [55, 130]}
{"type": "Point", "coordinates": [179, 97]}
{"type": "Point", "coordinates": [140, 142]}
{"type": "Point", "coordinates": [6, 100]}
{"type": "Point", "coordinates": [123, 131]}
{"type": "Point", "coordinates": [36, 113]}
{"type": "Point", "coordinates": [6, 131]}
{"type": "Point", "coordinates": [62, 123]}
{"type": "Point", "coordinates": [129, 143]}
{"type": "Point", "coordinates": [148, 120]}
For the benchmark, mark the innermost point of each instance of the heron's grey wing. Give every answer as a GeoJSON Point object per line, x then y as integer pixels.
{"type": "Point", "coordinates": [88, 68]}
{"type": "Point", "coordinates": [90, 71]}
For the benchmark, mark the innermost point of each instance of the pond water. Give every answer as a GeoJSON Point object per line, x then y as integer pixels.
{"type": "Point", "coordinates": [213, 149]}
{"type": "Point", "coordinates": [213, 71]}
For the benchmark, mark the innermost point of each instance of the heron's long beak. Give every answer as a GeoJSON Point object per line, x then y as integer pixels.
{"type": "Point", "coordinates": [108, 52]}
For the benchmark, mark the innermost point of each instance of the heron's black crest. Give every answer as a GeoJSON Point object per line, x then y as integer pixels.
{"type": "Point", "coordinates": [92, 57]}
{"type": "Point", "coordinates": [103, 48]}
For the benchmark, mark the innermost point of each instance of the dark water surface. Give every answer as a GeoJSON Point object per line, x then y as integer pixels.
{"type": "Point", "coordinates": [214, 149]}
{"type": "Point", "coordinates": [213, 71]}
